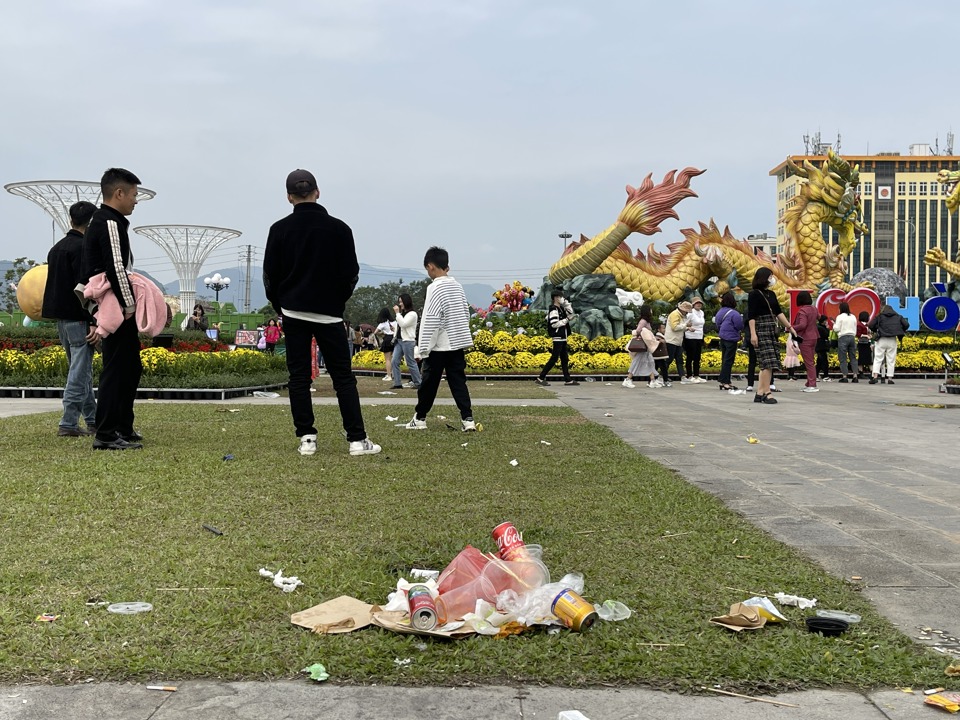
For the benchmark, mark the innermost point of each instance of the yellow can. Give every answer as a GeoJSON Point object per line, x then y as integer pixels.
{"type": "Point", "coordinates": [573, 611]}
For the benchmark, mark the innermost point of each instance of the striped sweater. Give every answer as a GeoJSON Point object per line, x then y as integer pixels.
{"type": "Point", "coordinates": [445, 324]}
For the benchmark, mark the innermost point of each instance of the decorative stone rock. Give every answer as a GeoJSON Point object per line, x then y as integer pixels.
{"type": "Point", "coordinates": [885, 281]}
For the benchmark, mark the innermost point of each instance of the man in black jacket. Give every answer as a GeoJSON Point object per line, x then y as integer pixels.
{"type": "Point", "coordinates": [309, 271]}
{"type": "Point", "coordinates": [106, 249]}
{"type": "Point", "coordinates": [74, 323]}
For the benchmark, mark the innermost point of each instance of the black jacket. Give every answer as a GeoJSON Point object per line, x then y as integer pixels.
{"type": "Point", "coordinates": [310, 262]}
{"type": "Point", "coordinates": [64, 271]}
{"type": "Point", "coordinates": [106, 248]}
{"type": "Point", "coordinates": [889, 323]}
{"type": "Point", "coordinates": [558, 322]}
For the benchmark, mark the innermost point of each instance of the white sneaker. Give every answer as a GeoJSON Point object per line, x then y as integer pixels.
{"type": "Point", "coordinates": [410, 386]}
{"type": "Point", "coordinates": [699, 379]}
{"type": "Point", "coordinates": [468, 425]}
{"type": "Point", "coordinates": [628, 383]}
{"type": "Point", "coordinates": [364, 447]}
{"type": "Point", "coordinates": [308, 444]}
{"type": "Point", "coordinates": [387, 378]}
{"type": "Point", "coordinates": [810, 389]}
{"type": "Point", "coordinates": [416, 424]}
{"type": "Point", "coordinates": [655, 384]}
{"type": "Point", "coordinates": [687, 381]}
{"type": "Point", "coordinates": [749, 388]}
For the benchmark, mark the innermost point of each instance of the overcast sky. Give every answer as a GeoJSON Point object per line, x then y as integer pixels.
{"type": "Point", "coordinates": [485, 126]}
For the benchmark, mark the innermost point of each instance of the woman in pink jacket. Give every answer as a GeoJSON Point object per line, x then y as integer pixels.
{"type": "Point", "coordinates": [805, 324]}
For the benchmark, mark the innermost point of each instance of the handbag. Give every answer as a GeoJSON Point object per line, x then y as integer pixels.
{"type": "Point", "coordinates": [661, 351]}
{"type": "Point", "coordinates": [636, 345]}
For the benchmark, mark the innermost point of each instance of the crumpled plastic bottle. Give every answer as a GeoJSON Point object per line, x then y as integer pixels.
{"type": "Point", "coordinates": [534, 607]}
{"type": "Point", "coordinates": [613, 610]}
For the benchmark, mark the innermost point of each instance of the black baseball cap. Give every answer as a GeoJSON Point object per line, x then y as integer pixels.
{"type": "Point", "coordinates": [301, 182]}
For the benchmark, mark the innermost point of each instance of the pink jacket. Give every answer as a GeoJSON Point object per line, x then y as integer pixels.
{"type": "Point", "coordinates": [151, 309]}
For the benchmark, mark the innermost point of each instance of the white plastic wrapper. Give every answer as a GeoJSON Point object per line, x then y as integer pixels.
{"type": "Point", "coordinates": [287, 584]}
{"type": "Point", "coordinates": [795, 600]}
{"type": "Point", "coordinates": [397, 601]}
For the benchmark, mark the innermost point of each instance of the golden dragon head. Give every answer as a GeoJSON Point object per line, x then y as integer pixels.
{"type": "Point", "coordinates": [950, 179]}
{"type": "Point", "coordinates": [649, 205]}
{"type": "Point", "coordinates": [833, 185]}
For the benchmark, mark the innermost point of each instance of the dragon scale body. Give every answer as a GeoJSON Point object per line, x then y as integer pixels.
{"type": "Point", "coordinates": [807, 262]}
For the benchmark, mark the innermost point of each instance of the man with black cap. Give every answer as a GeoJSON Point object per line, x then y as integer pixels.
{"type": "Point", "coordinates": [310, 269]}
{"type": "Point", "coordinates": [74, 323]}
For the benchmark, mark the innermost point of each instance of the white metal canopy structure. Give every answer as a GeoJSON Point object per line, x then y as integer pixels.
{"type": "Point", "coordinates": [56, 196]}
{"type": "Point", "coordinates": [187, 246]}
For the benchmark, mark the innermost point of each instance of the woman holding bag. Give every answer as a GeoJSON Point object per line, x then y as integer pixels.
{"type": "Point", "coordinates": [641, 363]}
{"type": "Point", "coordinates": [764, 311]}
{"type": "Point", "coordinates": [729, 327]}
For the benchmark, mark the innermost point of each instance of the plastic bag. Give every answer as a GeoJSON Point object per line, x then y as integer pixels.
{"type": "Point", "coordinates": [535, 607]}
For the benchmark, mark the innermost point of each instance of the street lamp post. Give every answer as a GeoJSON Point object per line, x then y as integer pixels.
{"type": "Point", "coordinates": [565, 236]}
{"type": "Point", "coordinates": [217, 283]}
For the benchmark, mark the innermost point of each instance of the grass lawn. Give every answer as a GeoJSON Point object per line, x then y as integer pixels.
{"type": "Point", "coordinates": [127, 527]}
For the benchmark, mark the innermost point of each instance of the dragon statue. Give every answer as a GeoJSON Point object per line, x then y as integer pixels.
{"type": "Point", "coordinates": [936, 256]}
{"type": "Point", "coordinates": [828, 196]}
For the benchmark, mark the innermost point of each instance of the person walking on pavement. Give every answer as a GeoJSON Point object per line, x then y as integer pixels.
{"type": "Point", "coordinates": [642, 363]}
{"type": "Point", "coordinates": [693, 341]}
{"type": "Point", "coordinates": [890, 326]}
{"type": "Point", "coordinates": [805, 323]}
{"type": "Point", "coordinates": [106, 251]}
{"type": "Point", "coordinates": [444, 335]}
{"type": "Point", "coordinates": [764, 311]}
{"type": "Point", "coordinates": [729, 324]}
{"type": "Point", "coordinates": [74, 324]}
{"type": "Point", "coordinates": [823, 348]}
{"type": "Point", "coordinates": [677, 325]}
{"type": "Point", "coordinates": [845, 326]}
{"type": "Point", "coordinates": [310, 269]}
{"type": "Point", "coordinates": [559, 315]}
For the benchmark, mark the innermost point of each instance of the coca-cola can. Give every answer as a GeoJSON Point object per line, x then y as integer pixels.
{"type": "Point", "coordinates": [509, 541]}
{"type": "Point", "coordinates": [423, 610]}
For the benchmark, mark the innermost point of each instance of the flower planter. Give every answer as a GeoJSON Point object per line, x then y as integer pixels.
{"type": "Point", "coordinates": [952, 389]}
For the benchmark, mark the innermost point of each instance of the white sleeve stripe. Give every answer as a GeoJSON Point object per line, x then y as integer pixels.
{"type": "Point", "coordinates": [117, 254]}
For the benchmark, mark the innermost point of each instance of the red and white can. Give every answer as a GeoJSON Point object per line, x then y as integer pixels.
{"type": "Point", "coordinates": [509, 541]}
{"type": "Point", "coordinates": [423, 609]}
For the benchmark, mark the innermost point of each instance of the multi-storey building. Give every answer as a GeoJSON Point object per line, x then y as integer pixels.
{"type": "Point", "coordinates": [902, 206]}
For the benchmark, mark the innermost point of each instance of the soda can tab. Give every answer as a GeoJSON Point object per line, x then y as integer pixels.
{"type": "Point", "coordinates": [509, 541]}
{"type": "Point", "coordinates": [573, 611]}
{"type": "Point", "coordinates": [423, 610]}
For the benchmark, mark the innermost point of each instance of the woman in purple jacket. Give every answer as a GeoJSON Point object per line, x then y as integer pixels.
{"type": "Point", "coordinates": [729, 324]}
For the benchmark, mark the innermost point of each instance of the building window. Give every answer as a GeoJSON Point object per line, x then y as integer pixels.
{"type": "Point", "coordinates": [867, 189]}
{"type": "Point", "coordinates": [911, 188]}
{"type": "Point", "coordinates": [923, 188]}
{"type": "Point", "coordinates": [901, 188]}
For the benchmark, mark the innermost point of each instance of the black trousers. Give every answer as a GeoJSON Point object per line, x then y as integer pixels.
{"type": "Point", "coordinates": [693, 348]}
{"type": "Point", "coordinates": [119, 381]}
{"type": "Point", "coordinates": [332, 343]}
{"type": "Point", "coordinates": [454, 363]}
{"type": "Point", "coordinates": [561, 353]}
{"type": "Point", "coordinates": [822, 364]}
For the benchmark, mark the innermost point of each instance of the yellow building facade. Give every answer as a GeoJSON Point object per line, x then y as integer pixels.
{"type": "Point", "coordinates": [902, 205]}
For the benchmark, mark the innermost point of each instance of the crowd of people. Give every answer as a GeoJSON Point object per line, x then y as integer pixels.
{"type": "Point", "coordinates": [757, 333]}
{"type": "Point", "coordinates": [310, 270]}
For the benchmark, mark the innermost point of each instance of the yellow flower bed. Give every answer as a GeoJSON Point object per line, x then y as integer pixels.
{"type": "Point", "coordinates": [525, 353]}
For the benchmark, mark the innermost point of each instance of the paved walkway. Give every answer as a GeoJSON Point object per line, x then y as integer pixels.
{"type": "Point", "coordinates": [856, 476]}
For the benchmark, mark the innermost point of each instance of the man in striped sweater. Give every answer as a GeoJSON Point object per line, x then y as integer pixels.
{"type": "Point", "coordinates": [106, 249]}
{"type": "Point", "coordinates": [444, 335]}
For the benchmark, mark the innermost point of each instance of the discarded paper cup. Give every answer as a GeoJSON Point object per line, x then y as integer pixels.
{"type": "Point", "coordinates": [518, 575]}
{"type": "Point", "coordinates": [456, 603]}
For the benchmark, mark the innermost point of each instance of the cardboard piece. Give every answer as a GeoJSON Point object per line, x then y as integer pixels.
{"type": "Point", "coordinates": [400, 622]}
{"type": "Point", "coordinates": [340, 615]}
{"type": "Point", "coordinates": [741, 617]}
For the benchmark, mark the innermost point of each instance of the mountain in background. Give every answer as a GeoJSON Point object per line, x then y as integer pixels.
{"type": "Point", "coordinates": [478, 294]}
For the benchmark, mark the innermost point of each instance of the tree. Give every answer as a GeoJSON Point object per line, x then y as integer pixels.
{"type": "Point", "coordinates": [367, 301]}
{"type": "Point", "coordinates": [8, 296]}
